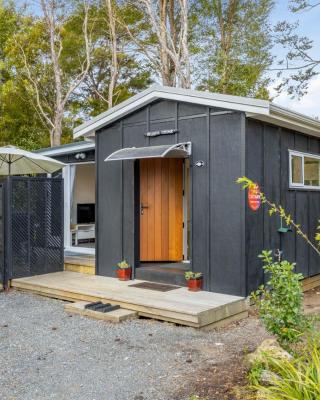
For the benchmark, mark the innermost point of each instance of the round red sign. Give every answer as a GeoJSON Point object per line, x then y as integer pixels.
{"type": "Point", "coordinates": [254, 198]}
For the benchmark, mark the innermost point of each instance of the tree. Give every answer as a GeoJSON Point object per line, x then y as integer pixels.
{"type": "Point", "coordinates": [29, 100]}
{"type": "Point", "coordinates": [160, 36]}
{"type": "Point", "coordinates": [232, 45]}
{"type": "Point", "coordinates": [19, 124]}
{"type": "Point", "coordinates": [299, 65]}
{"type": "Point", "coordinates": [115, 72]}
{"type": "Point", "coordinates": [42, 59]}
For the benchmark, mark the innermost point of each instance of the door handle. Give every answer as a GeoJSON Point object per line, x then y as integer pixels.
{"type": "Point", "coordinates": [142, 207]}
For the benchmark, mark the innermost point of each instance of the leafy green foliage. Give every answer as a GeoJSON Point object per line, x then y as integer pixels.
{"type": "Point", "coordinates": [232, 46]}
{"type": "Point", "coordinates": [255, 372]}
{"type": "Point", "coordinates": [195, 397]}
{"type": "Point", "coordinates": [296, 379]}
{"type": "Point", "coordinates": [123, 265]}
{"type": "Point", "coordinates": [192, 275]}
{"type": "Point", "coordinates": [280, 302]}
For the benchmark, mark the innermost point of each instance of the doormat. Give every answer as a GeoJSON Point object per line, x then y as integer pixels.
{"type": "Point", "coordinates": [101, 307]}
{"type": "Point", "coordinates": [160, 287]}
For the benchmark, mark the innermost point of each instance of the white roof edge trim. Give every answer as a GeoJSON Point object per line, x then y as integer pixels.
{"type": "Point", "coordinates": [276, 109]}
{"type": "Point", "coordinates": [177, 146]}
{"type": "Point", "coordinates": [312, 129]}
{"type": "Point", "coordinates": [184, 95]}
{"type": "Point", "coordinates": [71, 149]}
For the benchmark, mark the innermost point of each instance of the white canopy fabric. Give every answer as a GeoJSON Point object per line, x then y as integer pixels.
{"type": "Point", "coordinates": [178, 150]}
{"type": "Point", "coordinates": [15, 161]}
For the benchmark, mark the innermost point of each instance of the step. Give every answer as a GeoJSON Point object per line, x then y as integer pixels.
{"type": "Point", "coordinates": [162, 274]}
{"type": "Point", "coordinates": [115, 316]}
{"type": "Point", "coordinates": [83, 269]}
{"type": "Point", "coordinates": [80, 260]}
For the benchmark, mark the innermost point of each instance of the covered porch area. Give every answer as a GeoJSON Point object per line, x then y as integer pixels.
{"type": "Point", "coordinates": [203, 309]}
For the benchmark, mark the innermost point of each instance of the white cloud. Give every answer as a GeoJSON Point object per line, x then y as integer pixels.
{"type": "Point", "coordinates": [309, 104]}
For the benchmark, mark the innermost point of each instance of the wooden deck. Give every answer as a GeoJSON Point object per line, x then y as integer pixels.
{"type": "Point", "coordinates": [199, 310]}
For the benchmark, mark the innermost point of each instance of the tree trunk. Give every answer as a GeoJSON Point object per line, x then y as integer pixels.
{"type": "Point", "coordinates": [114, 56]}
{"type": "Point", "coordinates": [56, 132]}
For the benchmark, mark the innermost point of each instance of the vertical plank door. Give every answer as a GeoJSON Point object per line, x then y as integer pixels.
{"type": "Point", "coordinates": [161, 209]}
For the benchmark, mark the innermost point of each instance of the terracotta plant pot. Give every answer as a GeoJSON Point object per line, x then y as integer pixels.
{"type": "Point", "coordinates": [194, 285]}
{"type": "Point", "coordinates": [124, 274]}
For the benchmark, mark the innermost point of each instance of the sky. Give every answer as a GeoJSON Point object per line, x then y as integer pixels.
{"type": "Point", "coordinates": [308, 26]}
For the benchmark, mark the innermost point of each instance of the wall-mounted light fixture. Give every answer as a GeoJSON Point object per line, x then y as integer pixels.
{"type": "Point", "coordinates": [80, 156]}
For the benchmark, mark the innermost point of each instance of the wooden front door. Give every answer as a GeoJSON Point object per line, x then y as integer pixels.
{"type": "Point", "coordinates": [161, 209]}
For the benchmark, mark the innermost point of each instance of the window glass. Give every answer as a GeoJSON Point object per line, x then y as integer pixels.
{"type": "Point", "coordinates": [296, 168]}
{"type": "Point", "coordinates": [311, 171]}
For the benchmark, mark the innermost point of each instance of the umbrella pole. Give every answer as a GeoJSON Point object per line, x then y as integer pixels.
{"type": "Point", "coordinates": [10, 164]}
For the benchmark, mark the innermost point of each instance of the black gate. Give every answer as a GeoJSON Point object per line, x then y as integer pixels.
{"type": "Point", "coordinates": [32, 226]}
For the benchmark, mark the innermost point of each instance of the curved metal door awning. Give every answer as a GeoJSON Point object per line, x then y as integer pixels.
{"type": "Point", "coordinates": [178, 150]}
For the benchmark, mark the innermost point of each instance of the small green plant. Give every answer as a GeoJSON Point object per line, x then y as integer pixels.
{"type": "Point", "coordinates": [254, 375]}
{"type": "Point", "coordinates": [192, 275]}
{"type": "Point", "coordinates": [123, 265]}
{"type": "Point", "coordinates": [296, 379]}
{"type": "Point", "coordinates": [280, 302]}
{"type": "Point", "coordinates": [195, 397]}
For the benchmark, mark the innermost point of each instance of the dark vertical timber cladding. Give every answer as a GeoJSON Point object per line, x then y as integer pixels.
{"type": "Point", "coordinates": [109, 204]}
{"type": "Point", "coordinates": [225, 204]}
{"type": "Point", "coordinates": [271, 184]}
{"type": "Point", "coordinates": [314, 215]}
{"type": "Point", "coordinates": [216, 201]}
{"type": "Point", "coordinates": [301, 217]}
{"type": "Point", "coordinates": [288, 197]}
{"type": "Point", "coordinates": [267, 150]}
{"type": "Point", "coordinates": [195, 129]}
{"type": "Point", "coordinates": [254, 220]}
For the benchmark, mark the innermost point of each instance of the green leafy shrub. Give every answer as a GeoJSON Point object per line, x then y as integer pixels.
{"type": "Point", "coordinates": [298, 379]}
{"type": "Point", "coordinates": [280, 302]}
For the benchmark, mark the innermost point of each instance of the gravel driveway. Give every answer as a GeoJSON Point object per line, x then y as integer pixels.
{"type": "Point", "coordinates": [46, 354]}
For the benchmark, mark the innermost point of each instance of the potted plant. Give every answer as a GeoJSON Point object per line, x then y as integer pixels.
{"type": "Point", "coordinates": [124, 271]}
{"type": "Point", "coordinates": [194, 280]}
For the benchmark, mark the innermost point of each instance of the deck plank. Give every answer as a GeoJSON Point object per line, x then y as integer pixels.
{"type": "Point", "coordinates": [187, 308]}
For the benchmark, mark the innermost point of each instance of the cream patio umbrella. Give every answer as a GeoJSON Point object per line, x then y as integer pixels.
{"type": "Point", "coordinates": [15, 161]}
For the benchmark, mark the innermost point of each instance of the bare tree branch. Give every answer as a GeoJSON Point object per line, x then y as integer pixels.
{"type": "Point", "coordinates": [35, 87]}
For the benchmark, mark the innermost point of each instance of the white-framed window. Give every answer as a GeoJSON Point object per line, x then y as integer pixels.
{"type": "Point", "coordinates": [304, 170]}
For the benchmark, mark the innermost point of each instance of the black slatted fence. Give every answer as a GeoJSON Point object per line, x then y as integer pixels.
{"type": "Point", "coordinates": [32, 240]}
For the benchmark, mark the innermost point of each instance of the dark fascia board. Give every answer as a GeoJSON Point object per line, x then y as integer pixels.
{"type": "Point", "coordinates": [258, 109]}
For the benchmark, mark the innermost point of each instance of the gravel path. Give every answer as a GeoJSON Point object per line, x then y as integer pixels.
{"type": "Point", "coordinates": [46, 354]}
